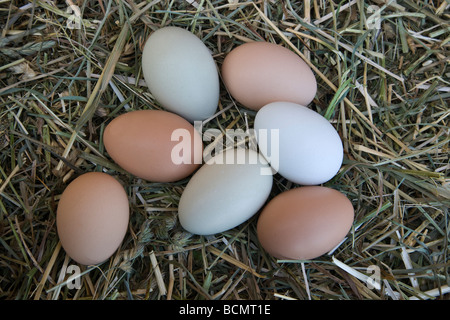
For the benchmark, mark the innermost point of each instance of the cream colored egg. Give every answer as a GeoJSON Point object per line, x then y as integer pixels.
{"type": "Point", "coordinates": [306, 149]}
{"type": "Point", "coordinates": [181, 73]}
{"type": "Point", "coordinates": [224, 193]}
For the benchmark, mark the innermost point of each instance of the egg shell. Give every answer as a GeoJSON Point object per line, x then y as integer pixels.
{"type": "Point", "coordinates": [308, 149]}
{"type": "Point", "coordinates": [181, 73]}
{"type": "Point", "coordinates": [304, 223]}
{"type": "Point", "coordinates": [92, 217]}
{"type": "Point", "coordinates": [143, 143]}
{"type": "Point", "coordinates": [223, 194]}
{"type": "Point", "coordinates": [258, 73]}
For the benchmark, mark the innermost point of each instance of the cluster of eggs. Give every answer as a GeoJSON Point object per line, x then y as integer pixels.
{"type": "Point", "coordinates": [235, 183]}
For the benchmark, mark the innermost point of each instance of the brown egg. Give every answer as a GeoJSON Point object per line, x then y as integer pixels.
{"type": "Point", "coordinates": [258, 73]}
{"type": "Point", "coordinates": [150, 144]}
{"type": "Point", "coordinates": [92, 217]}
{"type": "Point", "coordinates": [304, 223]}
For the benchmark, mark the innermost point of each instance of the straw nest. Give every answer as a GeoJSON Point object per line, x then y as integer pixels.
{"type": "Point", "coordinates": [383, 83]}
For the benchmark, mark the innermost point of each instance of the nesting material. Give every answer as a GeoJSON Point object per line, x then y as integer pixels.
{"type": "Point", "coordinates": [381, 82]}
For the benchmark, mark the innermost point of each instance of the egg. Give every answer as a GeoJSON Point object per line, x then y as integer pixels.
{"type": "Point", "coordinates": [258, 73]}
{"type": "Point", "coordinates": [306, 148]}
{"type": "Point", "coordinates": [155, 145]}
{"type": "Point", "coordinates": [305, 222]}
{"type": "Point", "coordinates": [225, 192]}
{"type": "Point", "coordinates": [181, 73]}
{"type": "Point", "coordinates": [92, 217]}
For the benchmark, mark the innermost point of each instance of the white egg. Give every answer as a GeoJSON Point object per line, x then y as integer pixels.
{"type": "Point", "coordinates": [306, 149]}
{"type": "Point", "coordinates": [181, 73]}
{"type": "Point", "coordinates": [225, 192]}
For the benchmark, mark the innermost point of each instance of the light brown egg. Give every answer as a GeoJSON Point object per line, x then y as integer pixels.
{"type": "Point", "coordinates": [92, 217]}
{"type": "Point", "coordinates": [304, 223]}
{"type": "Point", "coordinates": [150, 145]}
{"type": "Point", "coordinates": [258, 73]}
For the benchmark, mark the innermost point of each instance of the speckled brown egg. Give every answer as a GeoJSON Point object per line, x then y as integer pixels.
{"type": "Point", "coordinates": [258, 73]}
{"type": "Point", "coordinates": [92, 217]}
{"type": "Point", "coordinates": [304, 223]}
{"type": "Point", "coordinates": [156, 145]}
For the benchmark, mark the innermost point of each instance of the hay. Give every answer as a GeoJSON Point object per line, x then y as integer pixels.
{"type": "Point", "coordinates": [385, 90]}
